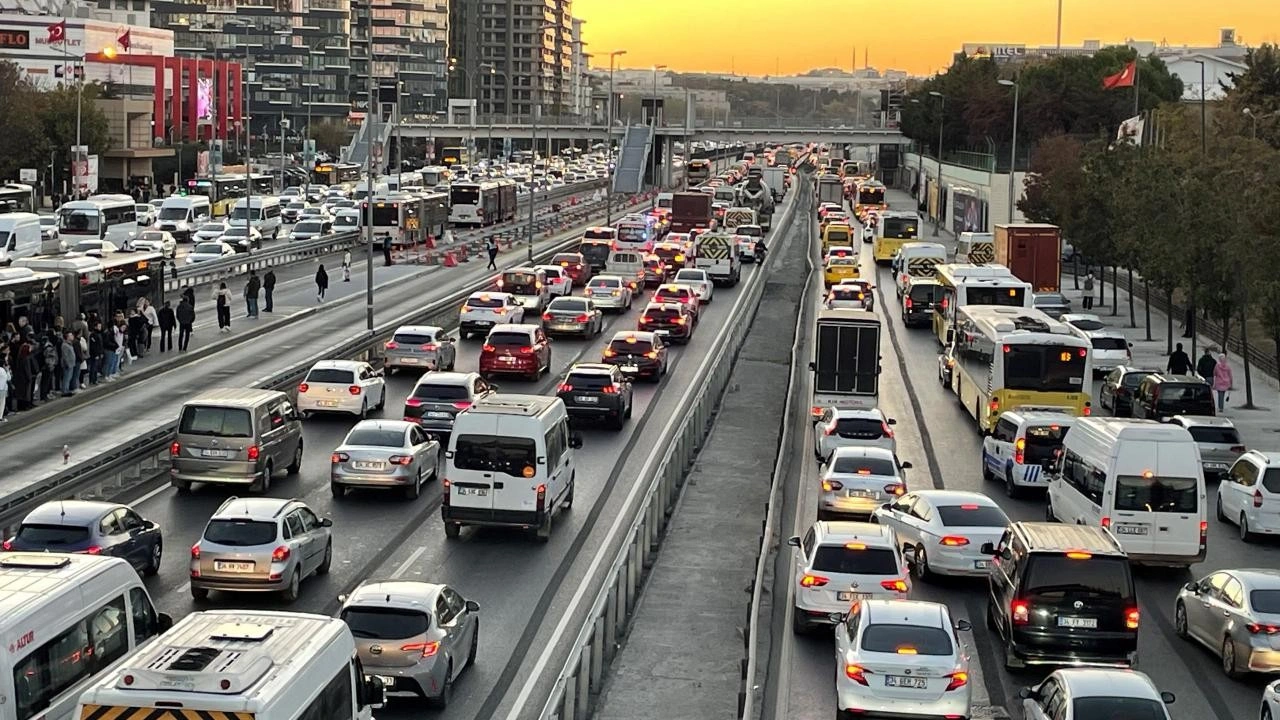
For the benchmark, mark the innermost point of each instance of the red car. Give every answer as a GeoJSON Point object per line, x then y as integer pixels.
{"type": "Point", "coordinates": [574, 264]}
{"type": "Point", "coordinates": [515, 350]}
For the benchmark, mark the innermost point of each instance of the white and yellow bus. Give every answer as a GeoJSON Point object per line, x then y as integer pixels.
{"type": "Point", "coordinates": [964, 285]}
{"type": "Point", "coordinates": [894, 228]}
{"type": "Point", "coordinates": [869, 195]}
{"type": "Point", "coordinates": [1004, 358]}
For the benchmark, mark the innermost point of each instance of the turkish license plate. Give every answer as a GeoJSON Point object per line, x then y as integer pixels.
{"type": "Point", "coordinates": [904, 681]}
{"type": "Point", "coordinates": [368, 464]}
{"type": "Point", "coordinates": [437, 414]}
{"type": "Point", "coordinates": [409, 360]}
{"type": "Point", "coordinates": [476, 492]}
{"type": "Point", "coordinates": [851, 596]}
{"type": "Point", "coordinates": [662, 333]}
{"type": "Point", "coordinates": [215, 453]}
{"type": "Point", "coordinates": [508, 359]}
{"type": "Point", "coordinates": [630, 369]}
{"type": "Point", "coordinates": [484, 322]}
{"type": "Point", "coordinates": [327, 403]}
{"type": "Point", "coordinates": [565, 326]}
{"type": "Point", "coordinates": [862, 493]}
{"type": "Point", "coordinates": [1123, 529]}
{"type": "Point", "coordinates": [234, 567]}
{"type": "Point", "coordinates": [1077, 622]}
{"type": "Point", "coordinates": [387, 680]}
{"type": "Point", "coordinates": [590, 399]}
{"type": "Point", "coordinates": [1215, 466]}
{"type": "Point", "coordinates": [981, 564]}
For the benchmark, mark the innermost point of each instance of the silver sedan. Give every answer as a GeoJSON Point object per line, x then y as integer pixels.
{"type": "Point", "coordinates": [1235, 613]}
{"type": "Point", "coordinates": [609, 292]}
{"type": "Point", "coordinates": [384, 454]}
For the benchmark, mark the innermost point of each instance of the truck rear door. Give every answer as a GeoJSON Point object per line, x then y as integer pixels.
{"type": "Point", "coordinates": [848, 359]}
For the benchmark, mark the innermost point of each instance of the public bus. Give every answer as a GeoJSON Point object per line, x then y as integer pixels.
{"type": "Point", "coordinates": [398, 216]}
{"type": "Point", "coordinates": [101, 287]}
{"type": "Point", "coordinates": [482, 203]}
{"type": "Point", "coordinates": [113, 218]}
{"type": "Point", "coordinates": [1004, 358]}
{"type": "Point", "coordinates": [224, 190]}
{"type": "Point", "coordinates": [869, 195]}
{"type": "Point", "coordinates": [894, 228]}
{"type": "Point", "coordinates": [434, 175]}
{"type": "Point", "coordinates": [964, 285]}
{"type": "Point", "coordinates": [336, 174]}
{"type": "Point", "coordinates": [697, 171]}
{"type": "Point", "coordinates": [32, 294]}
{"type": "Point", "coordinates": [451, 156]}
{"type": "Point", "coordinates": [18, 197]}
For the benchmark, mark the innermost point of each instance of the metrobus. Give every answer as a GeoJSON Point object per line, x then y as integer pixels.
{"type": "Point", "coordinates": [32, 294]}
{"type": "Point", "coordinates": [894, 228]}
{"type": "Point", "coordinates": [434, 175]}
{"type": "Point", "coordinates": [113, 218]}
{"type": "Point", "coordinates": [1005, 358]}
{"type": "Point", "coordinates": [964, 285]}
{"type": "Point", "coordinates": [397, 216]}
{"type": "Point", "coordinates": [336, 174]}
{"type": "Point", "coordinates": [482, 203]}
{"type": "Point", "coordinates": [869, 195]}
{"type": "Point", "coordinates": [697, 171]}
{"type": "Point", "coordinates": [101, 287]}
{"type": "Point", "coordinates": [224, 190]}
{"type": "Point", "coordinates": [18, 197]}
{"type": "Point", "coordinates": [454, 156]}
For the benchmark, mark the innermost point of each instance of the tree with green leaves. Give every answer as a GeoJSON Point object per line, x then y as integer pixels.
{"type": "Point", "coordinates": [22, 144]}
{"type": "Point", "coordinates": [40, 125]}
{"type": "Point", "coordinates": [1256, 90]}
{"type": "Point", "coordinates": [330, 136]}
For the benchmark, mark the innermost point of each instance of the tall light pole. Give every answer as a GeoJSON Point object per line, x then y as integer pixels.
{"type": "Point", "coordinates": [1013, 143]}
{"type": "Point", "coordinates": [536, 97]}
{"type": "Point", "coordinates": [248, 142]}
{"type": "Point", "coordinates": [371, 117]}
{"type": "Point", "coordinates": [608, 143]}
{"type": "Point", "coordinates": [653, 135]}
{"type": "Point", "coordinates": [942, 111]}
{"type": "Point", "coordinates": [1059, 24]}
{"type": "Point", "coordinates": [920, 179]}
{"type": "Point", "coordinates": [1204, 137]}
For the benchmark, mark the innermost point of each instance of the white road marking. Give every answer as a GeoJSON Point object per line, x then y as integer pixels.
{"type": "Point", "coordinates": [409, 561]}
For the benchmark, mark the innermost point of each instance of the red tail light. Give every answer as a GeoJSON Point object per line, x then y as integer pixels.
{"type": "Point", "coordinates": [7, 545]}
{"type": "Point", "coordinates": [895, 489]}
{"type": "Point", "coordinates": [401, 459]}
{"type": "Point", "coordinates": [427, 649]}
{"type": "Point", "coordinates": [280, 554]}
{"type": "Point", "coordinates": [1020, 611]}
{"type": "Point", "coordinates": [462, 405]}
{"type": "Point", "coordinates": [413, 402]}
{"type": "Point", "coordinates": [645, 320]}
{"type": "Point", "coordinates": [1087, 410]}
{"type": "Point", "coordinates": [1204, 533]}
{"type": "Point", "coordinates": [487, 348]}
{"type": "Point", "coordinates": [829, 485]}
{"type": "Point", "coordinates": [93, 550]}
{"type": "Point", "coordinates": [253, 452]}
{"type": "Point", "coordinates": [526, 350]}
{"type": "Point", "coordinates": [1257, 629]}
{"type": "Point", "coordinates": [582, 318]}
{"type": "Point", "coordinates": [609, 352]}
{"type": "Point", "coordinates": [813, 581]}
{"type": "Point", "coordinates": [609, 390]}
{"type": "Point", "coordinates": [392, 345]}
{"type": "Point", "coordinates": [542, 498]}
{"type": "Point", "coordinates": [958, 679]}
{"type": "Point", "coordinates": [680, 321]}
{"type": "Point", "coordinates": [303, 387]}
{"type": "Point", "coordinates": [195, 551]}
{"type": "Point", "coordinates": [429, 347]}
{"type": "Point", "coordinates": [886, 430]}
{"type": "Point", "coordinates": [1106, 522]}
{"type": "Point", "coordinates": [954, 541]}
{"type": "Point", "coordinates": [855, 673]}
{"type": "Point", "coordinates": [546, 317]}
{"type": "Point", "coordinates": [564, 387]}
{"type": "Point", "coordinates": [175, 449]}
{"type": "Point", "coordinates": [354, 389]}
{"type": "Point", "coordinates": [1019, 450]}
{"type": "Point", "coordinates": [894, 585]}
{"type": "Point", "coordinates": [339, 457]}
{"type": "Point", "coordinates": [1257, 498]}
{"type": "Point", "coordinates": [1131, 617]}
{"type": "Point", "coordinates": [909, 303]}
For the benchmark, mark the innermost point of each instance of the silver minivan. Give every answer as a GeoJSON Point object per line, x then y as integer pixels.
{"type": "Point", "coordinates": [235, 436]}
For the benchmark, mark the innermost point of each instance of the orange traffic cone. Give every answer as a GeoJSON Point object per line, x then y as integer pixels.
{"type": "Point", "coordinates": [450, 260]}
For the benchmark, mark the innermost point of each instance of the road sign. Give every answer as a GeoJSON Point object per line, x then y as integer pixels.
{"type": "Point", "coordinates": [27, 175]}
{"type": "Point", "coordinates": [714, 247]}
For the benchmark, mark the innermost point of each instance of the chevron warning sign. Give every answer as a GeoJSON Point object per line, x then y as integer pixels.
{"type": "Point", "coordinates": [113, 712]}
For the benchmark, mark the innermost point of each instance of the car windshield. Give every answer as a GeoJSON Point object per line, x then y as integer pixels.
{"type": "Point", "coordinates": [1110, 343]}
{"type": "Point", "coordinates": [1156, 494]}
{"type": "Point", "coordinates": [173, 213]}
{"type": "Point", "coordinates": [222, 422]}
{"type": "Point", "coordinates": [864, 466]}
{"type": "Point", "coordinates": [52, 535]}
{"type": "Point", "coordinates": [852, 561]}
{"type": "Point", "coordinates": [1060, 576]}
{"type": "Point", "coordinates": [972, 515]}
{"type": "Point", "coordinates": [377, 623]}
{"type": "Point", "coordinates": [1048, 300]}
{"type": "Point", "coordinates": [912, 639]}
{"type": "Point", "coordinates": [565, 305]}
{"type": "Point", "coordinates": [1134, 379]}
{"type": "Point", "coordinates": [1174, 395]}
{"type": "Point", "coordinates": [864, 428]}
{"type": "Point", "coordinates": [208, 249]}
{"type": "Point", "coordinates": [1214, 434]}
{"type": "Point", "coordinates": [687, 276]}
{"type": "Point", "coordinates": [240, 533]}
{"type": "Point", "coordinates": [512, 456]}
{"type": "Point", "coordinates": [336, 376]}
{"type": "Point", "coordinates": [439, 391]}
{"type": "Point", "coordinates": [375, 437]}
{"type": "Point", "coordinates": [309, 226]}
{"type": "Point", "coordinates": [1117, 708]}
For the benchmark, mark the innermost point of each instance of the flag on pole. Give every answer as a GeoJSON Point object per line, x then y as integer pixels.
{"type": "Point", "coordinates": [1131, 130]}
{"type": "Point", "coordinates": [1124, 78]}
{"type": "Point", "coordinates": [57, 32]}
{"type": "Point", "coordinates": [125, 40]}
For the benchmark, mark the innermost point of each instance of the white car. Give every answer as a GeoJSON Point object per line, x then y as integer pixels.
{"type": "Point", "coordinates": [210, 232]}
{"type": "Point", "coordinates": [49, 227]}
{"type": "Point", "coordinates": [838, 251]}
{"type": "Point", "coordinates": [309, 228]}
{"type": "Point", "coordinates": [699, 280]}
{"type": "Point", "coordinates": [206, 251]}
{"type": "Point", "coordinates": [95, 247]}
{"type": "Point", "coordinates": [146, 214]}
{"type": "Point", "coordinates": [1270, 702]}
{"type": "Point", "coordinates": [242, 238]}
{"type": "Point", "coordinates": [838, 563]}
{"type": "Point", "coordinates": [902, 657]}
{"type": "Point", "coordinates": [321, 213]}
{"type": "Point", "coordinates": [158, 241]}
{"type": "Point", "coordinates": [1099, 694]}
{"type": "Point", "coordinates": [342, 386]}
{"type": "Point", "coordinates": [485, 309]}
{"type": "Point", "coordinates": [609, 292]}
{"type": "Point", "coordinates": [849, 297]}
{"type": "Point", "coordinates": [1111, 348]}
{"type": "Point", "coordinates": [942, 531]}
{"type": "Point", "coordinates": [856, 481]}
{"type": "Point", "coordinates": [1246, 496]}
{"type": "Point", "coordinates": [845, 427]}
{"type": "Point", "coordinates": [558, 281]}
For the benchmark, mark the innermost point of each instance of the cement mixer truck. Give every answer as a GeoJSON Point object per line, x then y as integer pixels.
{"type": "Point", "coordinates": [757, 196]}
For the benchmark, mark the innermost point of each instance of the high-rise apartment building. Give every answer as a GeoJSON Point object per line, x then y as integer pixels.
{"type": "Point", "coordinates": [410, 46]}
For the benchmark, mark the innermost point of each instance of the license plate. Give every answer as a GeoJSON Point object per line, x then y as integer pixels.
{"type": "Point", "coordinates": [662, 333]}
{"type": "Point", "coordinates": [981, 564]}
{"type": "Point", "coordinates": [630, 369]}
{"type": "Point", "coordinates": [862, 493]}
{"type": "Point", "coordinates": [1131, 529]}
{"type": "Point", "coordinates": [565, 326]}
{"type": "Point", "coordinates": [484, 322]}
{"type": "Point", "coordinates": [477, 492]}
{"type": "Point", "coordinates": [327, 403]}
{"type": "Point", "coordinates": [387, 680]}
{"type": "Point", "coordinates": [437, 414]}
{"type": "Point", "coordinates": [1215, 466]}
{"type": "Point", "coordinates": [903, 681]}
{"type": "Point", "coordinates": [1078, 622]}
{"type": "Point", "coordinates": [409, 360]}
{"type": "Point", "coordinates": [368, 465]}
{"type": "Point", "coordinates": [851, 596]}
{"type": "Point", "coordinates": [508, 359]}
{"type": "Point", "coordinates": [586, 398]}
{"type": "Point", "coordinates": [235, 567]}
{"type": "Point", "coordinates": [215, 453]}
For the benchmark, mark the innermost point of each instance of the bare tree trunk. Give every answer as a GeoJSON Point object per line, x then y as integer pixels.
{"type": "Point", "coordinates": [1244, 350]}
{"type": "Point", "coordinates": [1102, 286]}
{"type": "Point", "coordinates": [1146, 305]}
{"type": "Point", "coordinates": [1115, 282]}
{"type": "Point", "coordinates": [1133, 322]}
{"type": "Point", "coordinates": [1226, 330]}
{"type": "Point", "coordinates": [1075, 274]}
{"type": "Point", "coordinates": [1169, 317]}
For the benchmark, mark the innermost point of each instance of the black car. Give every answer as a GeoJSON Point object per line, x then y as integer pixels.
{"type": "Point", "coordinates": [1062, 595]}
{"type": "Point", "coordinates": [637, 354]}
{"type": "Point", "coordinates": [596, 391]}
{"type": "Point", "coordinates": [919, 301]}
{"type": "Point", "coordinates": [1161, 396]}
{"type": "Point", "coordinates": [672, 320]}
{"type": "Point", "coordinates": [1119, 387]}
{"type": "Point", "coordinates": [438, 397]}
{"type": "Point", "coordinates": [92, 528]}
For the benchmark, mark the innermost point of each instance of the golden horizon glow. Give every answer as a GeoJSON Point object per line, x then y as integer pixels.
{"type": "Point", "coordinates": [755, 37]}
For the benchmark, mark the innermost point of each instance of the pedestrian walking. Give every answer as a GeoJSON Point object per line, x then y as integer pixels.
{"type": "Point", "coordinates": [96, 352]}
{"type": "Point", "coordinates": [189, 294]}
{"type": "Point", "coordinates": [386, 251]}
{"type": "Point", "coordinates": [346, 266]}
{"type": "Point", "coordinates": [322, 283]}
{"type": "Point", "coordinates": [1188, 319]}
{"type": "Point", "coordinates": [1088, 291]}
{"type": "Point", "coordinates": [491, 245]}
{"type": "Point", "coordinates": [268, 288]}
{"type": "Point", "coordinates": [1179, 363]}
{"type": "Point", "coordinates": [1204, 366]}
{"type": "Point", "coordinates": [82, 361]}
{"type": "Point", "coordinates": [186, 316]}
{"type": "Point", "coordinates": [222, 299]}
{"type": "Point", "coordinates": [251, 289]}
{"type": "Point", "coordinates": [6, 377]}
{"type": "Point", "coordinates": [167, 322]}
{"type": "Point", "coordinates": [67, 363]}
{"type": "Point", "coordinates": [153, 321]}
{"type": "Point", "coordinates": [1222, 381]}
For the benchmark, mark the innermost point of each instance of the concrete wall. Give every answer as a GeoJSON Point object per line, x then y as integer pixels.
{"type": "Point", "coordinates": [993, 188]}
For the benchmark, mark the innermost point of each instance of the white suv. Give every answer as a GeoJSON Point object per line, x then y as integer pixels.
{"type": "Point", "coordinates": [838, 563]}
{"type": "Point", "coordinates": [342, 386]}
{"type": "Point", "coordinates": [483, 310]}
{"type": "Point", "coordinates": [844, 427]}
{"type": "Point", "coordinates": [1249, 495]}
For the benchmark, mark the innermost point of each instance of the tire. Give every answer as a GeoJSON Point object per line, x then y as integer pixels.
{"type": "Point", "coordinates": [1010, 489]}
{"type": "Point", "coordinates": [475, 645]}
{"type": "Point", "coordinates": [1229, 665]}
{"type": "Point", "coordinates": [291, 591]}
{"type": "Point", "coordinates": [1180, 621]}
{"type": "Point", "coordinates": [413, 489]}
{"type": "Point", "coordinates": [1048, 512]}
{"type": "Point", "coordinates": [986, 471]}
{"type": "Point", "coordinates": [364, 410]}
{"type": "Point", "coordinates": [568, 499]}
{"type": "Point", "coordinates": [199, 594]}
{"type": "Point", "coordinates": [452, 530]}
{"type": "Point", "coordinates": [337, 490]}
{"type": "Point", "coordinates": [153, 564]}
{"type": "Point", "coordinates": [1246, 535]}
{"type": "Point", "coordinates": [442, 700]}
{"type": "Point", "coordinates": [1222, 517]}
{"type": "Point", "coordinates": [328, 560]}
{"type": "Point", "coordinates": [182, 486]}
{"type": "Point", "coordinates": [296, 466]}
{"type": "Point", "coordinates": [799, 625]}
{"type": "Point", "coordinates": [920, 565]}
{"type": "Point", "coordinates": [630, 405]}
{"type": "Point", "coordinates": [1266, 712]}
{"type": "Point", "coordinates": [263, 485]}
{"type": "Point", "coordinates": [382, 399]}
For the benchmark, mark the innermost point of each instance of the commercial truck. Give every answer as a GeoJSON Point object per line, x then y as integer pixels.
{"type": "Point", "coordinates": [741, 215]}
{"type": "Point", "coordinates": [756, 195]}
{"type": "Point", "coordinates": [776, 178]}
{"type": "Point", "coordinates": [690, 210]}
{"type": "Point", "coordinates": [830, 189]}
{"type": "Point", "coordinates": [717, 253]}
{"type": "Point", "coordinates": [846, 362]}
{"type": "Point", "coordinates": [1032, 252]}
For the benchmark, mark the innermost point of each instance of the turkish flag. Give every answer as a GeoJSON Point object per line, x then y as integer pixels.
{"type": "Point", "coordinates": [57, 32]}
{"type": "Point", "coordinates": [1124, 78]}
{"type": "Point", "coordinates": [125, 40]}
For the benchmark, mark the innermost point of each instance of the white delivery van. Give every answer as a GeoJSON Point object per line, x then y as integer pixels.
{"type": "Point", "coordinates": [629, 265]}
{"type": "Point", "coordinates": [510, 463]}
{"type": "Point", "coordinates": [240, 665]}
{"type": "Point", "coordinates": [21, 236]}
{"type": "Point", "coordinates": [975, 248]}
{"type": "Point", "coordinates": [346, 220]}
{"type": "Point", "coordinates": [1140, 479]}
{"type": "Point", "coordinates": [54, 609]}
{"type": "Point", "coordinates": [719, 255]}
{"type": "Point", "coordinates": [262, 211]}
{"type": "Point", "coordinates": [917, 260]}
{"type": "Point", "coordinates": [182, 215]}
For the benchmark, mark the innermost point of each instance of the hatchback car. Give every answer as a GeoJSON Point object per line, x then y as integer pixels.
{"type": "Point", "coordinates": [438, 397]}
{"type": "Point", "coordinates": [573, 316]}
{"type": "Point", "coordinates": [260, 545]}
{"type": "Point", "coordinates": [483, 310]}
{"type": "Point", "coordinates": [1236, 614]}
{"type": "Point", "coordinates": [342, 386]}
{"type": "Point", "coordinates": [848, 297]}
{"type": "Point", "coordinates": [206, 251]}
{"type": "Point", "coordinates": [558, 281]}
{"type": "Point", "coordinates": [858, 480]}
{"type": "Point", "coordinates": [92, 528]}
{"type": "Point", "coordinates": [699, 280]}
{"type": "Point", "coordinates": [156, 241]}
{"type": "Point", "coordinates": [1249, 495]}
{"type": "Point", "coordinates": [416, 637]}
{"type": "Point", "coordinates": [384, 454]}
{"type": "Point", "coordinates": [1095, 694]}
{"type": "Point", "coordinates": [575, 265]}
{"type": "Point", "coordinates": [419, 346]}
{"type": "Point", "coordinates": [678, 293]}
{"type": "Point", "coordinates": [839, 563]}
{"type": "Point", "coordinates": [1053, 304]}
{"type": "Point", "coordinates": [673, 321]}
{"type": "Point", "coordinates": [901, 658]}
{"type": "Point", "coordinates": [942, 531]}
{"type": "Point", "coordinates": [609, 292]}
{"type": "Point", "coordinates": [597, 391]}
{"type": "Point", "coordinates": [515, 350]}
{"type": "Point", "coordinates": [210, 232]}
{"type": "Point", "coordinates": [1216, 437]}
{"type": "Point", "coordinates": [844, 427]}
{"type": "Point", "coordinates": [638, 354]}
{"type": "Point", "coordinates": [1119, 387]}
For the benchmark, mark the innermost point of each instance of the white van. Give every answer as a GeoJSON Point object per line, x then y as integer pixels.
{"type": "Point", "coordinates": [629, 265]}
{"type": "Point", "coordinates": [235, 664]}
{"type": "Point", "coordinates": [975, 248]}
{"type": "Point", "coordinates": [182, 215]}
{"type": "Point", "coordinates": [1140, 479]}
{"type": "Point", "coordinates": [263, 211]}
{"type": "Point", "coordinates": [510, 463]}
{"type": "Point", "coordinates": [21, 236]}
{"type": "Point", "coordinates": [346, 220]}
{"type": "Point", "coordinates": [1021, 446]}
{"type": "Point", "coordinates": [917, 260]}
{"type": "Point", "coordinates": [54, 607]}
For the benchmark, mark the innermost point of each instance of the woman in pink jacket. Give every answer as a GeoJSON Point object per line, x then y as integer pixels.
{"type": "Point", "coordinates": [1222, 380]}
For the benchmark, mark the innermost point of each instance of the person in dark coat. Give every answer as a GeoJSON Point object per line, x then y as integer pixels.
{"type": "Point", "coordinates": [322, 283]}
{"type": "Point", "coordinates": [251, 289]}
{"type": "Point", "coordinates": [269, 288]}
{"type": "Point", "coordinates": [189, 294]}
{"type": "Point", "coordinates": [1206, 365]}
{"type": "Point", "coordinates": [186, 317]}
{"type": "Point", "coordinates": [1179, 363]}
{"type": "Point", "coordinates": [96, 352]}
{"type": "Point", "coordinates": [23, 373]}
{"type": "Point", "coordinates": [137, 333]}
{"type": "Point", "coordinates": [168, 321]}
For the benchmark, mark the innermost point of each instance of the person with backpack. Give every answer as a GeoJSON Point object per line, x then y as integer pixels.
{"type": "Point", "coordinates": [222, 299]}
{"type": "Point", "coordinates": [167, 322]}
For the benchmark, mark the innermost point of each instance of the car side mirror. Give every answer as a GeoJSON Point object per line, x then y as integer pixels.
{"type": "Point", "coordinates": [987, 548]}
{"type": "Point", "coordinates": [891, 421]}
{"type": "Point", "coordinates": [1192, 587]}
{"type": "Point", "coordinates": [342, 598]}
{"type": "Point", "coordinates": [148, 524]}
{"type": "Point", "coordinates": [326, 522]}
{"type": "Point", "coordinates": [164, 621]}
{"type": "Point", "coordinates": [1167, 697]}
{"type": "Point", "coordinates": [906, 465]}
{"type": "Point", "coordinates": [950, 336]}
{"type": "Point", "coordinates": [575, 440]}
{"type": "Point", "coordinates": [964, 625]}
{"type": "Point", "coordinates": [794, 541]}
{"type": "Point", "coordinates": [1027, 693]}
{"type": "Point", "coordinates": [473, 606]}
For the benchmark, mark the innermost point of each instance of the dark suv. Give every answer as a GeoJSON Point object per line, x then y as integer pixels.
{"type": "Point", "coordinates": [438, 397]}
{"type": "Point", "coordinates": [596, 391]}
{"type": "Point", "coordinates": [1118, 389]}
{"type": "Point", "coordinates": [1062, 595]}
{"type": "Point", "coordinates": [1161, 396]}
{"type": "Point", "coordinates": [672, 320]}
{"type": "Point", "coordinates": [637, 354]}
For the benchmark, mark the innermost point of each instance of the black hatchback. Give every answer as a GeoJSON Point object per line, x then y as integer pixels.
{"type": "Point", "coordinates": [1119, 387]}
{"type": "Point", "coordinates": [1160, 396]}
{"type": "Point", "coordinates": [668, 320]}
{"type": "Point", "coordinates": [91, 528]}
{"type": "Point", "coordinates": [596, 391]}
{"type": "Point", "coordinates": [637, 354]}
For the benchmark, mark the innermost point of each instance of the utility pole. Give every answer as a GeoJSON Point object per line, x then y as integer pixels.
{"type": "Point", "coordinates": [371, 117]}
{"type": "Point", "coordinates": [284, 125]}
{"type": "Point", "coordinates": [608, 144]}
{"type": "Point", "coordinates": [1013, 143]}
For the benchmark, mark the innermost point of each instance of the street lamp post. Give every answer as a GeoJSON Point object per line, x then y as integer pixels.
{"type": "Point", "coordinates": [536, 98]}
{"type": "Point", "coordinates": [608, 143]}
{"type": "Point", "coordinates": [653, 135]}
{"type": "Point", "coordinates": [942, 110]}
{"type": "Point", "coordinates": [1013, 143]}
{"type": "Point", "coordinates": [1204, 138]}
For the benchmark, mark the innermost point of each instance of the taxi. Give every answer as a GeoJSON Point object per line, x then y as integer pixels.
{"type": "Point", "coordinates": [833, 218]}
{"type": "Point", "coordinates": [837, 268]}
{"type": "Point", "coordinates": [837, 234]}
{"type": "Point", "coordinates": [673, 256]}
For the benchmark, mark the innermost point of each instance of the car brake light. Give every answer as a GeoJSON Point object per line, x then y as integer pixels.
{"type": "Point", "coordinates": [1087, 410]}
{"type": "Point", "coordinates": [93, 550]}
{"type": "Point", "coordinates": [280, 554]}
{"type": "Point", "coordinates": [253, 452]}
{"type": "Point", "coordinates": [339, 457]}
{"type": "Point", "coordinates": [499, 311]}
{"type": "Point", "coordinates": [526, 350]}
{"type": "Point", "coordinates": [1106, 522]}
{"type": "Point", "coordinates": [609, 390]}
{"type": "Point", "coordinates": [894, 585]}
{"type": "Point", "coordinates": [564, 387]}
{"type": "Point", "coordinates": [401, 459]}
{"type": "Point", "coordinates": [957, 680]}
{"type": "Point", "coordinates": [1257, 498]}
{"type": "Point", "coordinates": [426, 648]}
{"type": "Point", "coordinates": [462, 405]}
{"type": "Point", "coordinates": [680, 321]}
{"type": "Point", "coordinates": [954, 541]}
{"type": "Point", "coordinates": [1020, 610]}
{"type": "Point", "coordinates": [303, 388]}
{"type": "Point", "coordinates": [609, 353]}
{"type": "Point", "coordinates": [909, 303]}
{"type": "Point", "coordinates": [854, 673]}
{"type": "Point", "coordinates": [886, 430]}
{"type": "Point", "coordinates": [1019, 450]}
{"type": "Point", "coordinates": [354, 389]}
{"type": "Point", "coordinates": [895, 489]}
{"type": "Point", "coordinates": [582, 318]}
{"type": "Point", "coordinates": [1131, 617]}
{"type": "Point", "coordinates": [7, 545]}
{"type": "Point", "coordinates": [391, 345]}
{"type": "Point", "coordinates": [1258, 629]}
{"type": "Point", "coordinates": [813, 581]}
{"type": "Point", "coordinates": [429, 347]}
{"type": "Point", "coordinates": [645, 319]}
{"type": "Point", "coordinates": [829, 485]}
{"type": "Point", "coordinates": [542, 497]}
{"type": "Point", "coordinates": [546, 317]}
{"type": "Point", "coordinates": [487, 348]}
{"type": "Point", "coordinates": [413, 402]}
{"type": "Point", "coordinates": [175, 449]}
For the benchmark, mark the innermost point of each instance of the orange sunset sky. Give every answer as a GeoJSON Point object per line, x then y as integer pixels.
{"type": "Point", "coordinates": [764, 37]}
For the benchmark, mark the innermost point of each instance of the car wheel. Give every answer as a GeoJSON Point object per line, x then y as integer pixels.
{"type": "Point", "coordinates": [920, 565]}
{"type": "Point", "coordinates": [452, 530]}
{"type": "Point", "coordinates": [296, 465]}
{"type": "Point", "coordinates": [1180, 620]}
{"type": "Point", "coordinates": [382, 399]}
{"type": "Point", "coordinates": [991, 618]}
{"type": "Point", "coordinates": [338, 490]}
{"type": "Point", "coordinates": [1010, 489]}
{"type": "Point", "coordinates": [263, 485]}
{"type": "Point", "coordinates": [412, 490]}
{"type": "Point", "coordinates": [568, 499]}
{"type": "Point", "coordinates": [1048, 512]}
{"type": "Point", "coordinates": [986, 471]}
{"type": "Point", "coordinates": [799, 622]}
{"type": "Point", "coordinates": [153, 563]}
{"type": "Point", "coordinates": [199, 594]}
{"type": "Point", "coordinates": [1246, 535]}
{"type": "Point", "coordinates": [543, 531]}
{"type": "Point", "coordinates": [1229, 658]}
{"type": "Point", "coordinates": [1222, 516]}
{"type": "Point", "coordinates": [442, 700]}
{"type": "Point", "coordinates": [182, 486]}
{"type": "Point", "coordinates": [475, 644]}
{"type": "Point", "coordinates": [328, 560]}
{"type": "Point", "coordinates": [1266, 711]}
{"type": "Point", "coordinates": [290, 593]}
{"type": "Point", "coordinates": [364, 409]}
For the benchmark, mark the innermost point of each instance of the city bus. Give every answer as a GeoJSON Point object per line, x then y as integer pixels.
{"type": "Point", "coordinates": [18, 197]}
{"type": "Point", "coordinates": [396, 216]}
{"type": "Point", "coordinates": [224, 190]}
{"type": "Point", "coordinates": [336, 174]}
{"type": "Point", "coordinates": [697, 171]}
{"type": "Point", "coordinates": [894, 228]}
{"type": "Point", "coordinates": [451, 156]}
{"type": "Point", "coordinates": [101, 287]}
{"type": "Point", "coordinates": [964, 285]}
{"type": "Point", "coordinates": [113, 218]}
{"type": "Point", "coordinates": [1006, 358]}
{"type": "Point", "coordinates": [32, 294]}
{"type": "Point", "coordinates": [869, 195]}
{"type": "Point", "coordinates": [482, 203]}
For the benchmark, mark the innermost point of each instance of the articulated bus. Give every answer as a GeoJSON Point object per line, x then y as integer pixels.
{"type": "Point", "coordinates": [1005, 358]}
{"type": "Point", "coordinates": [869, 195]}
{"type": "Point", "coordinates": [964, 285]}
{"type": "Point", "coordinates": [482, 203]}
{"type": "Point", "coordinates": [224, 190]}
{"type": "Point", "coordinates": [697, 171]}
{"type": "Point", "coordinates": [32, 294]}
{"type": "Point", "coordinates": [893, 229]}
{"type": "Point", "coordinates": [101, 287]}
{"type": "Point", "coordinates": [407, 218]}
{"type": "Point", "coordinates": [336, 174]}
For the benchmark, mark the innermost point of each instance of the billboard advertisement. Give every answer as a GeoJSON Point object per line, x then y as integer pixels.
{"type": "Point", "coordinates": [968, 211]}
{"type": "Point", "coordinates": [995, 51]}
{"type": "Point", "coordinates": [204, 101]}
